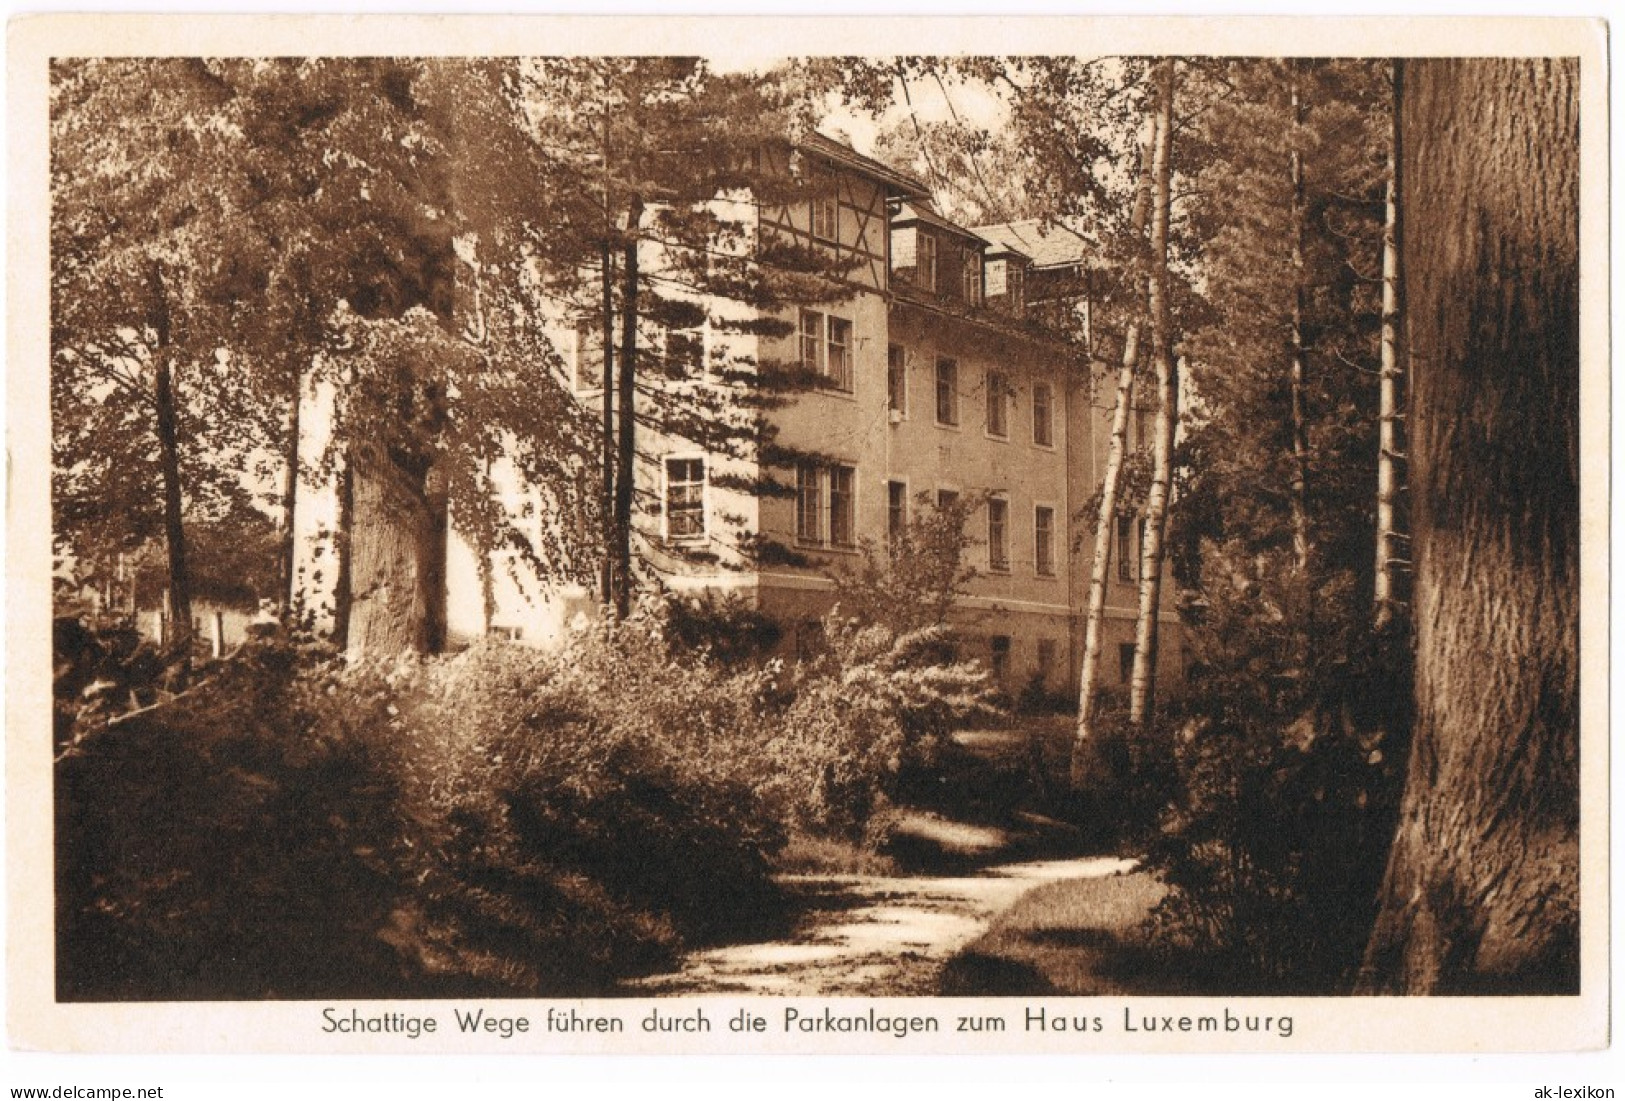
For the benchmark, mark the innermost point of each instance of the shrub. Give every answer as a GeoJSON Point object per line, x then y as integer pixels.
{"type": "Point", "coordinates": [505, 821]}
{"type": "Point", "coordinates": [229, 844]}
{"type": "Point", "coordinates": [726, 628]}
{"type": "Point", "coordinates": [1286, 755]}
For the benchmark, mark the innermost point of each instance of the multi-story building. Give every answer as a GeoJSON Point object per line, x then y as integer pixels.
{"type": "Point", "coordinates": [940, 379]}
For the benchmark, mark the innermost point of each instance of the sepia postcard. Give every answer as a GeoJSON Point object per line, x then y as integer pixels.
{"type": "Point", "coordinates": [771, 535]}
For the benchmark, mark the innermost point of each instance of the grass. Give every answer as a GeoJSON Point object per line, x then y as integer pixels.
{"type": "Point", "coordinates": [1075, 937]}
{"type": "Point", "coordinates": [807, 854]}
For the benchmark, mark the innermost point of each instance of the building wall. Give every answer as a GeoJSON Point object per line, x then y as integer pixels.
{"type": "Point", "coordinates": [1037, 619]}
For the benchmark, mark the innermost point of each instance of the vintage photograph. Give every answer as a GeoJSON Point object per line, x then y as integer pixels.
{"type": "Point", "coordinates": [936, 525]}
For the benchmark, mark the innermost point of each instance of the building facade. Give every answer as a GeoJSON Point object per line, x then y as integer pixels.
{"type": "Point", "coordinates": [937, 379]}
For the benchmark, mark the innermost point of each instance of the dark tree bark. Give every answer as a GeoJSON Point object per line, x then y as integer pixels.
{"type": "Point", "coordinates": [625, 467]}
{"type": "Point", "coordinates": [169, 465]}
{"type": "Point", "coordinates": [180, 590]}
{"type": "Point", "coordinates": [290, 498]}
{"type": "Point", "coordinates": [1482, 888]}
{"type": "Point", "coordinates": [341, 548]}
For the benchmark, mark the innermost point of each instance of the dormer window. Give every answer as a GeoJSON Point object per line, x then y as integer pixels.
{"type": "Point", "coordinates": [925, 262]}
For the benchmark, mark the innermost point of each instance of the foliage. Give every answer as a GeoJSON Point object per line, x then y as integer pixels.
{"type": "Point", "coordinates": [1287, 756]}
{"type": "Point", "coordinates": [197, 842]}
{"type": "Point", "coordinates": [504, 821]}
{"type": "Point", "coordinates": [725, 628]}
{"type": "Point", "coordinates": [912, 581]}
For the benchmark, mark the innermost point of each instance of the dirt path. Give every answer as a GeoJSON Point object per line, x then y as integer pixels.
{"type": "Point", "coordinates": [871, 935]}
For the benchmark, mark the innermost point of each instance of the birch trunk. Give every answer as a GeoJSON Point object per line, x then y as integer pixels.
{"type": "Point", "coordinates": [607, 290]}
{"type": "Point", "coordinates": [1300, 438]}
{"type": "Point", "coordinates": [1389, 439]}
{"type": "Point", "coordinates": [1482, 888]}
{"type": "Point", "coordinates": [1142, 685]}
{"type": "Point", "coordinates": [1089, 675]}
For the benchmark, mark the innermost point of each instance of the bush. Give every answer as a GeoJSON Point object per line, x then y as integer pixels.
{"type": "Point", "coordinates": [1286, 757]}
{"type": "Point", "coordinates": [229, 844]}
{"type": "Point", "coordinates": [725, 628]}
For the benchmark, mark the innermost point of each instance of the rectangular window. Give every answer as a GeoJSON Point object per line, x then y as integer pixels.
{"type": "Point", "coordinates": [809, 504]}
{"type": "Point", "coordinates": [812, 340]}
{"type": "Point", "coordinates": [1044, 540]}
{"type": "Point", "coordinates": [946, 499]}
{"type": "Point", "coordinates": [925, 261]}
{"type": "Point", "coordinates": [1125, 662]}
{"type": "Point", "coordinates": [998, 534]}
{"type": "Point", "coordinates": [588, 361]}
{"type": "Point", "coordinates": [825, 347]}
{"type": "Point", "coordinates": [1125, 548]}
{"type": "Point", "coordinates": [999, 651]}
{"type": "Point", "coordinates": [838, 357]}
{"type": "Point", "coordinates": [842, 506]}
{"type": "Point", "coordinates": [825, 214]}
{"type": "Point", "coordinates": [1013, 287]}
{"type": "Point", "coordinates": [998, 393]}
{"type": "Point", "coordinates": [947, 391]}
{"type": "Point", "coordinates": [1142, 429]}
{"type": "Point", "coordinates": [896, 379]}
{"type": "Point", "coordinates": [1043, 419]}
{"type": "Point", "coordinates": [971, 274]}
{"type": "Point", "coordinates": [685, 498]}
{"type": "Point", "coordinates": [896, 511]}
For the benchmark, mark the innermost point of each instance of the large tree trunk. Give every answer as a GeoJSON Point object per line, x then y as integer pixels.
{"type": "Point", "coordinates": [1142, 683]}
{"type": "Point", "coordinates": [1094, 616]}
{"type": "Point", "coordinates": [1389, 437]}
{"type": "Point", "coordinates": [625, 469]}
{"type": "Point", "coordinates": [397, 554]}
{"type": "Point", "coordinates": [1482, 887]}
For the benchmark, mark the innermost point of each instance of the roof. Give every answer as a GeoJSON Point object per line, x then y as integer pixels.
{"type": "Point", "coordinates": [1053, 246]}
{"type": "Point", "coordinates": [905, 295]}
{"type": "Point", "coordinates": [842, 154]}
{"type": "Point", "coordinates": [922, 212]}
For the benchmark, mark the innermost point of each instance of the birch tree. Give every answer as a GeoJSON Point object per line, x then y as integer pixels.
{"type": "Point", "coordinates": [1094, 615]}
{"type": "Point", "coordinates": [1392, 551]}
{"type": "Point", "coordinates": [1142, 685]}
